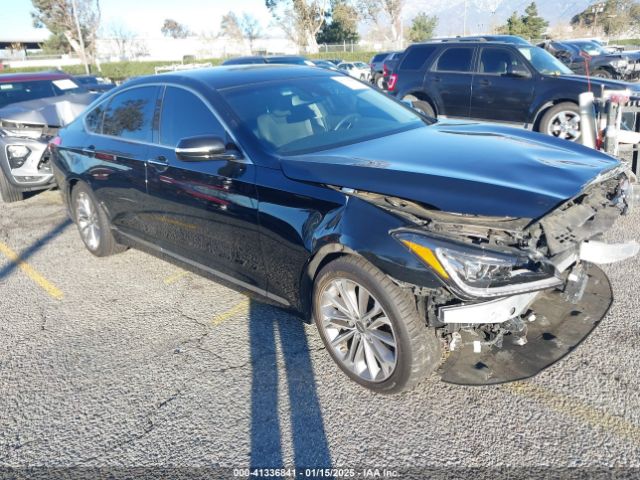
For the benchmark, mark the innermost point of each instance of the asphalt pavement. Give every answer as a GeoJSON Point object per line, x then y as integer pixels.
{"type": "Point", "coordinates": [129, 361]}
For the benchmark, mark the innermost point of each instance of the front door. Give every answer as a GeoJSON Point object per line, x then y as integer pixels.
{"type": "Point", "coordinates": [503, 87]}
{"type": "Point", "coordinates": [204, 211]}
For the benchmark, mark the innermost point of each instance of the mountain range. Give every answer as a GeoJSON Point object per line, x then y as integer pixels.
{"type": "Point", "coordinates": [482, 15]}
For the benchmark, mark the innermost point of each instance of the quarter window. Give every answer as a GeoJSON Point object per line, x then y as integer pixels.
{"type": "Point", "coordinates": [130, 114]}
{"type": "Point", "coordinates": [93, 120]}
{"type": "Point", "coordinates": [456, 59]}
{"type": "Point", "coordinates": [416, 57]}
{"type": "Point", "coordinates": [185, 115]}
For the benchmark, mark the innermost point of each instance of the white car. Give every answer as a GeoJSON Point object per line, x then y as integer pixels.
{"type": "Point", "coordinates": [359, 70]}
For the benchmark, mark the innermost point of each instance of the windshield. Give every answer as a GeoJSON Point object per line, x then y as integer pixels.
{"type": "Point", "coordinates": [544, 62]}
{"type": "Point", "coordinates": [591, 48]}
{"type": "Point", "coordinates": [303, 115]}
{"type": "Point", "coordinates": [32, 90]}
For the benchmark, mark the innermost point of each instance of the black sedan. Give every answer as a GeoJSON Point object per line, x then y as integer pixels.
{"type": "Point", "coordinates": [402, 238]}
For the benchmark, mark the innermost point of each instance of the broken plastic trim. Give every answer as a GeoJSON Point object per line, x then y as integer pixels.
{"type": "Point", "coordinates": [494, 311]}
{"type": "Point", "coordinates": [601, 253]}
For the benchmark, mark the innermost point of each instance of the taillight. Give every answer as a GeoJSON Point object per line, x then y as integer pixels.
{"type": "Point", "coordinates": [385, 70]}
{"type": "Point", "coordinates": [391, 83]}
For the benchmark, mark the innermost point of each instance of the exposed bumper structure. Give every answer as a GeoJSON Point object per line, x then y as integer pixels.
{"type": "Point", "coordinates": [560, 325]}
{"type": "Point", "coordinates": [495, 311]}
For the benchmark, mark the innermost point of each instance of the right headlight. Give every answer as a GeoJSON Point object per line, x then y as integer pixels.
{"type": "Point", "coordinates": [17, 155]}
{"type": "Point", "coordinates": [478, 273]}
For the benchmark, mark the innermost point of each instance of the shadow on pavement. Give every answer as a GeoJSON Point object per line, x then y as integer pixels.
{"type": "Point", "coordinates": [310, 446]}
{"type": "Point", "coordinates": [35, 246]}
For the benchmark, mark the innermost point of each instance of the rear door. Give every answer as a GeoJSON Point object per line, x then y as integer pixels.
{"type": "Point", "coordinates": [503, 86]}
{"type": "Point", "coordinates": [115, 152]}
{"type": "Point", "coordinates": [450, 79]}
{"type": "Point", "coordinates": [204, 211]}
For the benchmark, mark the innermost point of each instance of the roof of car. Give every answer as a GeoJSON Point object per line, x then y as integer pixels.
{"type": "Point", "coordinates": [28, 77]}
{"type": "Point", "coordinates": [225, 76]}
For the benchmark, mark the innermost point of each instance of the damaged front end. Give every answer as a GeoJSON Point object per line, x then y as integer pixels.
{"type": "Point", "coordinates": [516, 294]}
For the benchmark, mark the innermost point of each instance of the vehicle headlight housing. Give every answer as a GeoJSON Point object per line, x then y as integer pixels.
{"type": "Point", "coordinates": [478, 273]}
{"type": "Point", "coordinates": [17, 155]}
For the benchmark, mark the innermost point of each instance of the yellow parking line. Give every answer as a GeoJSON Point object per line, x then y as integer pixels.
{"type": "Point", "coordinates": [175, 277]}
{"type": "Point", "coordinates": [31, 272]}
{"type": "Point", "coordinates": [240, 307]}
{"type": "Point", "coordinates": [572, 407]}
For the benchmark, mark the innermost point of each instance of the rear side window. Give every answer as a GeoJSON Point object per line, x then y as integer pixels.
{"type": "Point", "coordinates": [130, 114]}
{"type": "Point", "coordinates": [456, 59]}
{"type": "Point", "coordinates": [185, 115]}
{"type": "Point", "coordinates": [93, 120]}
{"type": "Point", "coordinates": [416, 57]}
{"type": "Point", "coordinates": [379, 57]}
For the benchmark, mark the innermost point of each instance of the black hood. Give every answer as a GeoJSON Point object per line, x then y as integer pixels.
{"type": "Point", "coordinates": [466, 168]}
{"type": "Point", "coordinates": [597, 82]}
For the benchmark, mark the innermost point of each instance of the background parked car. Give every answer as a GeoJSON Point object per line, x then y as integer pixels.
{"type": "Point", "coordinates": [598, 62]}
{"type": "Point", "coordinates": [94, 83]}
{"type": "Point", "coordinates": [286, 59]}
{"type": "Point", "coordinates": [325, 64]}
{"type": "Point", "coordinates": [518, 84]}
{"type": "Point", "coordinates": [377, 69]}
{"type": "Point", "coordinates": [34, 107]}
{"type": "Point", "coordinates": [359, 70]}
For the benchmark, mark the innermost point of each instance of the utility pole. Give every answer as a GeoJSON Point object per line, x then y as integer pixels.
{"type": "Point", "coordinates": [74, 7]}
{"type": "Point", "coordinates": [464, 20]}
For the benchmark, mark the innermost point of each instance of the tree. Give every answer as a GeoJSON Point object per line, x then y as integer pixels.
{"type": "Point", "coordinates": [230, 27]}
{"type": "Point", "coordinates": [614, 17]}
{"type": "Point", "coordinates": [530, 25]}
{"type": "Point", "coordinates": [422, 27]}
{"type": "Point", "coordinates": [534, 25]}
{"type": "Point", "coordinates": [171, 28]}
{"type": "Point", "coordinates": [301, 20]}
{"type": "Point", "coordinates": [56, 43]}
{"type": "Point", "coordinates": [250, 29]}
{"type": "Point", "coordinates": [384, 12]}
{"type": "Point", "coordinates": [76, 20]}
{"type": "Point", "coordinates": [122, 37]}
{"type": "Point", "coordinates": [341, 24]}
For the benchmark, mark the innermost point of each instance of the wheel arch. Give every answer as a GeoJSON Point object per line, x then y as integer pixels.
{"type": "Point", "coordinates": [546, 106]}
{"type": "Point", "coordinates": [422, 97]}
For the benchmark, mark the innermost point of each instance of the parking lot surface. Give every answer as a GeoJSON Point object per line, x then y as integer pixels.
{"type": "Point", "coordinates": [130, 361]}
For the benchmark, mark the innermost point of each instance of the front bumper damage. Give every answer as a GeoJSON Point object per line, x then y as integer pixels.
{"type": "Point", "coordinates": [557, 326]}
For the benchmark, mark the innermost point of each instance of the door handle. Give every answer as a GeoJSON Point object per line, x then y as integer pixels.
{"type": "Point", "coordinates": [437, 79]}
{"type": "Point", "coordinates": [160, 161]}
{"type": "Point", "coordinates": [485, 82]}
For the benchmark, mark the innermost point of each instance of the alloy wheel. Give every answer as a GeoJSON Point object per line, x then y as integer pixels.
{"type": "Point", "coordinates": [565, 125]}
{"type": "Point", "coordinates": [87, 220]}
{"type": "Point", "coordinates": [358, 330]}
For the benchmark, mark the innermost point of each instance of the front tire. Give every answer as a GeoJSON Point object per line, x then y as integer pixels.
{"type": "Point", "coordinates": [371, 327]}
{"type": "Point", "coordinates": [8, 192]}
{"type": "Point", "coordinates": [92, 223]}
{"type": "Point", "coordinates": [602, 73]}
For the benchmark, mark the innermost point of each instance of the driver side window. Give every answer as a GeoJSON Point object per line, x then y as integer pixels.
{"type": "Point", "coordinates": [500, 61]}
{"type": "Point", "coordinates": [185, 115]}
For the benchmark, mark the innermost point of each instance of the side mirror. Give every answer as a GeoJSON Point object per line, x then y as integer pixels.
{"type": "Point", "coordinates": [518, 74]}
{"type": "Point", "coordinates": [204, 147]}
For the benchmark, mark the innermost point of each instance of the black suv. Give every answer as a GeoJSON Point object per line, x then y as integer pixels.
{"type": "Point", "coordinates": [495, 81]}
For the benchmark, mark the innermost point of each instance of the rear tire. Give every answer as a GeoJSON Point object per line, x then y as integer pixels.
{"type": "Point", "coordinates": [562, 121]}
{"type": "Point", "coordinates": [401, 364]}
{"type": "Point", "coordinates": [422, 105]}
{"type": "Point", "coordinates": [8, 192]}
{"type": "Point", "coordinates": [92, 222]}
{"type": "Point", "coordinates": [379, 81]}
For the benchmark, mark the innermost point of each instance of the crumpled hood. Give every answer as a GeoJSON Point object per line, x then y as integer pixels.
{"type": "Point", "coordinates": [51, 111]}
{"type": "Point", "coordinates": [467, 168]}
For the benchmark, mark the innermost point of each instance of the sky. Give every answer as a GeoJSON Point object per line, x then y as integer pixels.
{"type": "Point", "coordinates": [144, 17]}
